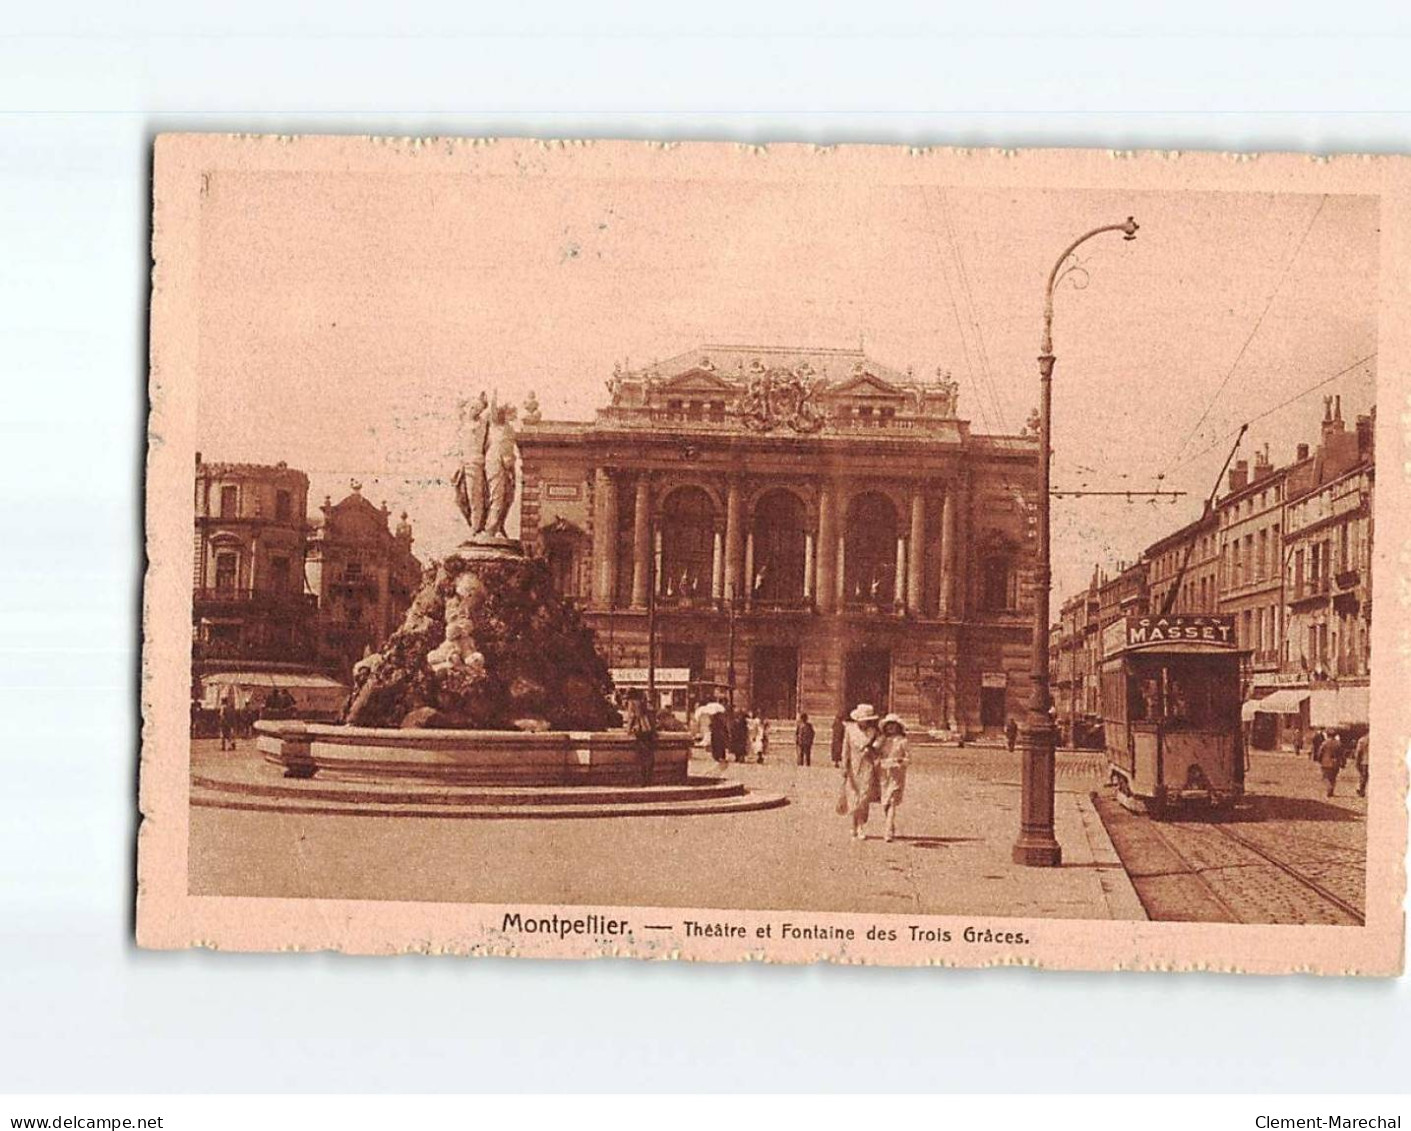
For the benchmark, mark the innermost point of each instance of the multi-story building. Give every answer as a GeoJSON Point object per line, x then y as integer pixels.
{"type": "Point", "coordinates": [1328, 575]}
{"type": "Point", "coordinates": [281, 602]}
{"type": "Point", "coordinates": [1074, 684]}
{"type": "Point", "coordinates": [813, 529]}
{"type": "Point", "coordinates": [1123, 594]}
{"type": "Point", "coordinates": [248, 582]}
{"type": "Point", "coordinates": [1250, 541]}
{"type": "Point", "coordinates": [363, 574]}
{"type": "Point", "coordinates": [1287, 551]}
{"type": "Point", "coordinates": [1188, 562]}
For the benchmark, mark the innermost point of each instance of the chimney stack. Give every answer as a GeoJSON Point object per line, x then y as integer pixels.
{"type": "Point", "coordinates": [1332, 419]}
{"type": "Point", "coordinates": [1239, 475]}
{"type": "Point", "coordinates": [1364, 437]}
{"type": "Point", "coordinates": [1302, 452]}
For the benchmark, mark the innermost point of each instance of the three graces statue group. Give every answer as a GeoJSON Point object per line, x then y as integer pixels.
{"type": "Point", "coordinates": [484, 481]}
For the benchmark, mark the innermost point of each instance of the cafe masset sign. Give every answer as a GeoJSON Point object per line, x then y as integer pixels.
{"type": "Point", "coordinates": [1211, 630]}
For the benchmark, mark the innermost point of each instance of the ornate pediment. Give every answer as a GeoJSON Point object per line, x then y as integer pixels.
{"type": "Point", "coordinates": [867, 386]}
{"type": "Point", "coordinates": [698, 381]}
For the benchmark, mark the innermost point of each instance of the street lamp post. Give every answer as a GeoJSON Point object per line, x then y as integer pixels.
{"type": "Point", "coordinates": [1037, 846]}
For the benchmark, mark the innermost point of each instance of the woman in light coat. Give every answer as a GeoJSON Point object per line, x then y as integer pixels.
{"type": "Point", "coordinates": [759, 736]}
{"type": "Point", "coordinates": [861, 786]}
{"type": "Point", "coordinates": [893, 755]}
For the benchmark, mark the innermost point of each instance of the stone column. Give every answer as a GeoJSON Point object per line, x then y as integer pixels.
{"type": "Point", "coordinates": [749, 569]}
{"type": "Point", "coordinates": [808, 565]}
{"type": "Point", "coordinates": [900, 574]}
{"type": "Point", "coordinates": [947, 602]}
{"type": "Point", "coordinates": [604, 538]}
{"type": "Point", "coordinates": [842, 586]}
{"type": "Point", "coordinates": [717, 568]}
{"type": "Point", "coordinates": [827, 554]}
{"type": "Point", "coordinates": [915, 575]}
{"type": "Point", "coordinates": [734, 542]}
{"type": "Point", "coordinates": [641, 542]}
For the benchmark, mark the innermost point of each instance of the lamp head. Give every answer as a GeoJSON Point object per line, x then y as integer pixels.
{"type": "Point", "coordinates": [1129, 229]}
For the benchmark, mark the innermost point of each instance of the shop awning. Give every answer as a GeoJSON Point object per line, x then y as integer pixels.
{"type": "Point", "coordinates": [1285, 702]}
{"type": "Point", "coordinates": [1340, 707]}
{"type": "Point", "coordinates": [291, 680]}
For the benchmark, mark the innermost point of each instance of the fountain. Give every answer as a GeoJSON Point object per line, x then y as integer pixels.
{"type": "Point", "coordinates": [490, 699]}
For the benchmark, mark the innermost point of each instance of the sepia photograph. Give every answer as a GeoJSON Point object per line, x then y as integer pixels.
{"type": "Point", "coordinates": [868, 554]}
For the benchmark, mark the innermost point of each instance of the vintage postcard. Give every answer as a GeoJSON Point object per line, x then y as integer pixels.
{"type": "Point", "coordinates": [862, 554]}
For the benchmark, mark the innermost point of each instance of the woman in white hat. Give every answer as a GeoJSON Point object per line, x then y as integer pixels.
{"type": "Point", "coordinates": [861, 787]}
{"type": "Point", "coordinates": [891, 761]}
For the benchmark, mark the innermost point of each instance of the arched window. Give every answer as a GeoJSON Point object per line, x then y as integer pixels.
{"type": "Point", "coordinates": [779, 537]}
{"type": "Point", "coordinates": [565, 549]}
{"type": "Point", "coordinates": [687, 542]}
{"type": "Point", "coordinates": [870, 551]}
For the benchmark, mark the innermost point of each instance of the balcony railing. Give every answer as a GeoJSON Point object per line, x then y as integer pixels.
{"type": "Point", "coordinates": [223, 595]}
{"type": "Point", "coordinates": [1310, 590]}
{"type": "Point", "coordinates": [300, 653]}
{"type": "Point", "coordinates": [715, 421]}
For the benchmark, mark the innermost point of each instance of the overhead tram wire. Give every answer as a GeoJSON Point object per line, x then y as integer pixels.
{"type": "Point", "coordinates": [969, 296]}
{"type": "Point", "coordinates": [1258, 322]}
{"type": "Point", "coordinates": [1269, 412]}
{"type": "Point", "coordinates": [955, 311]}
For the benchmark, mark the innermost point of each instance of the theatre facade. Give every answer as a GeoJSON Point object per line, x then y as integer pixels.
{"type": "Point", "coordinates": [805, 529]}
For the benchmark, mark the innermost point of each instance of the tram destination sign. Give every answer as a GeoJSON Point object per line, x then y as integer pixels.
{"type": "Point", "coordinates": [1210, 630]}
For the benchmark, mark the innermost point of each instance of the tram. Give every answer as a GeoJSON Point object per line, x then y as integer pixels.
{"type": "Point", "coordinates": [1170, 693]}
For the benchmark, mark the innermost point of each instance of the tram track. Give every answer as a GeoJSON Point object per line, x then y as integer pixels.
{"type": "Point", "coordinates": [1203, 871]}
{"type": "Point", "coordinates": [1307, 881]}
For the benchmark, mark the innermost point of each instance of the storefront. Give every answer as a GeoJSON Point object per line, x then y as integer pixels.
{"type": "Point", "coordinates": [315, 696]}
{"type": "Point", "coordinates": [1272, 721]}
{"type": "Point", "coordinates": [1340, 706]}
{"type": "Point", "coordinates": [673, 688]}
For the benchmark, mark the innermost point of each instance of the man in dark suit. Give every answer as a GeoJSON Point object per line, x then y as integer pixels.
{"type": "Point", "coordinates": [719, 735]}
{"type": "Point", "coordinates": [803, 740]}
{"type": "Point", "coordinates": [739, 734]}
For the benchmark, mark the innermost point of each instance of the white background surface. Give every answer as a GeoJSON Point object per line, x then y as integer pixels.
{"type": "Point", "coordinates": [83, 89]}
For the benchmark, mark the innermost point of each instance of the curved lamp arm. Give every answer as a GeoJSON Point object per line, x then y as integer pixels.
{"type": "Point", "coordinates": [1129, 232]}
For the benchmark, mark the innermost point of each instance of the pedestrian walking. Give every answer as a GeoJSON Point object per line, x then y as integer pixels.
{"type": "Point", "coordinates": [1298, 742]}
{"type": "Point", "coordinates": [1317, 744]}
{"type": "Point", "coordinates": [893, 755]}
{"type": "Point", "coordinates": [642, 727]}
{"type": "Point", "coordinates": [739, 735]}
{"type": "Point", "coordinates": [803, 740]}
{"type": "Point", "coordinates": [1361, 763]}
{"type": "Point", "coordinates": [860, 785]}
{"type": "Point", "coordinates": [1331, 757]}
{"type": "Point", "coordinates": [1011, 733]}
{"type": "Point", "coordinates": [759, 736]}
{"type": "Point", "coordinates": [840, 726]}
{"type": "Point", "coordinates": [225, 718]}
{"type": "Point", "coordinates": [719, 735]}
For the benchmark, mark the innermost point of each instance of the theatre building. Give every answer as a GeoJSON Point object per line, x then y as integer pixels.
{"type": "Point", "coordinates": [810, 528]}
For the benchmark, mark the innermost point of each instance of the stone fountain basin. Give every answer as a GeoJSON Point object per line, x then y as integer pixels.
{"type": "Point", "coordinates": [467, 757]}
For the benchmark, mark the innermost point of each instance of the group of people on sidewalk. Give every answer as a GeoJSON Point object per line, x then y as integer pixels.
{"type": "Point", "coordinates": [869, 750]}
{"type": "Point", "coordinates": [1331, 749]}
{"type": "Point", "coordinates": [738, 735]}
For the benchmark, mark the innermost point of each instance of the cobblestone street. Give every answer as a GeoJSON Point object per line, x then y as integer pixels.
{"type": "Point", "coordinates": [1291, 855]}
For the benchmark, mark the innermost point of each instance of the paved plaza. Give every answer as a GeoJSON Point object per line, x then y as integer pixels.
{"type": "Point", "coordinates": [956, 831]}
{"type": "Point", "coordinates": [952, 856]}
